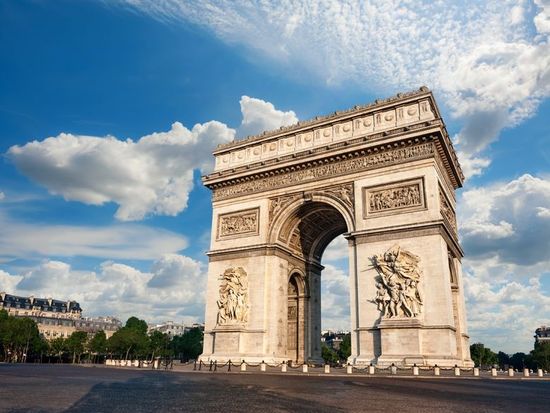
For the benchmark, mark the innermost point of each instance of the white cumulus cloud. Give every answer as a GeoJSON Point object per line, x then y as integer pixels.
{"type": "Point", "coordinates": [505, 220]}
{"type": "Point", "coordinates": [505, 233]}
{"type": "Point", "coordinates": [150, 176]}
{"type": "Point", "coordinates": [153, 175]}
{"type": "Point", "coordinates": [173, 289]}
{"type": "Point", "coordinates": [259, 115]}
{"type": "Point", "coordinates": [335, 309]}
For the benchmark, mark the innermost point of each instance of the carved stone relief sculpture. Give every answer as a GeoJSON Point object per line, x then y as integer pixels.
{"type": "Point", "coordinates": [238, 223]}
{"type": "Point", "coordinates": [446, 210]}
{"type": "Point", "coordinates": [393, 198]}
{"type": "Point", "coordinates": [397, 292]}
{"type": "Point", "coordinates": [344, 192]}
{"type": "Point", "coordinates": [233, 302]}
{"type": "Point", "coordinates": [276, 205]}
{"type": "Point", "coordinates": [406, 196]}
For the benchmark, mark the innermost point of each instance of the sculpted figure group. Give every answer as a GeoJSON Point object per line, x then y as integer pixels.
{"type": "Point", "coordinates": [233, 302]}
{"type": "Point", "coordinates": [397, 293]}
{"type": "Point", "coordinates": [395, 198]}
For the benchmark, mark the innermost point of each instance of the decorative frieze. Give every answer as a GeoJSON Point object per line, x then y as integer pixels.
{"type": "Point", "coordinates": [395, 197]}
{"type": "Point", "coordinates": [325, 170]}
{"type": "Point", "coordinates": [240, 223]}
{"type": "Point", "coordinates": [233, 302]}
{"type": "Point", "coordinates": [397, 293]}
{"type": "Point", "coordinates": [446, 210]}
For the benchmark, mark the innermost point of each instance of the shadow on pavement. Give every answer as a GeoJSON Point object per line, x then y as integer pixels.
{"type": "Point", "coordinates": [169, 393]}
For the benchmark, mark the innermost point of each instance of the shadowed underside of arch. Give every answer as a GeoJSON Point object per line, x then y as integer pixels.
{"type": "Point", "coordinates": [310, 228]}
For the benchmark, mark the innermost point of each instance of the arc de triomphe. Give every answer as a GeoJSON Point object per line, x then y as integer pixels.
{"type": "Point", "coordinates": [385, 176]}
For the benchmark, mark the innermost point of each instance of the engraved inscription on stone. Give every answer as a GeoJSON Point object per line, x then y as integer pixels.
{"type": "Point", "coordinates": [397, 293]}
{"type": "Point", "coordinates": [404, 195]}
{"type": "Point", "coordinates": [446, 210]}
{"type": "Point", "coordinates": [241, 223]}
{"type": "Point", "coordinates": [233, 301]}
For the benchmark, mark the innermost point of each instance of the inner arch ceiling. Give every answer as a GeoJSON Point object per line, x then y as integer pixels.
{"type": "Point", "coordinates": [310, 229]}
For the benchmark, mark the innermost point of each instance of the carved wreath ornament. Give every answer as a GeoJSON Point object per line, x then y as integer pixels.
{"type": "Point", "coordinates": [233, 302]}
{"type": "Point", "coordinates": [397, 293]}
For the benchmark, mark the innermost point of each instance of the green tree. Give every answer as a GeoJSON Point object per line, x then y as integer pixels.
{"type": "Point", "coordinates": [329, 355]}
{"type": "Point", "coordinates": [3, 332]}
{"type": "Point", "coordinates": [159, 344]}
{"type": "Point", "coordinates": [57, 347]}
{"type": "Point", "coordinates": [131, 340]}
{"type": "Point", "coordinates": [541, 356]}
{"type": "Point", "coordinates": [482, 356]}
{"type": "Point", "coordinates": [503, 360]}
{"type": "Point", "coordinates": [345, 348]}
{"type": "Point", "coordinates": [137, 325]}
{"type": "Point", "coordinates": [98, 344]}
{"type": "Point", "coordinates": [76, 343]}
{"type": "Point", "coordinates": [189, 345]}
{"type": "Point", "coordinates": [518, 360]}
{"type": "Point", "coordinates": [18, 336]}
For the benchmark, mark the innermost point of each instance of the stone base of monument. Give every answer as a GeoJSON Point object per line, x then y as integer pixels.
{"type": "Point", "coordinates": [405, 341]}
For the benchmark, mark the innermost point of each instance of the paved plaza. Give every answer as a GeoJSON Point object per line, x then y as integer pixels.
{"type": "Point", "coordinates": [65, 388]}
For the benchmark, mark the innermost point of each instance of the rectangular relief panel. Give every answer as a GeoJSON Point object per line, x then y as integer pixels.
{"type": "Point", "coordinates": [395, 197]}
{"type": "Point", "coordinates": [243, 223]}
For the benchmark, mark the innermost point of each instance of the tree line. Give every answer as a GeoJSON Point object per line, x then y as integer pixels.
{"type": "Point", "coordinates": [20, 341]}
{"type": "Point", "coordinates": [539, 357]}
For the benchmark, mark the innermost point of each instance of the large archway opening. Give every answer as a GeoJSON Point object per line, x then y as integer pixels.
{"type": "Point", "coordinates": [306, 231]}
{"type": "Point", "coordinates": [335, 302]}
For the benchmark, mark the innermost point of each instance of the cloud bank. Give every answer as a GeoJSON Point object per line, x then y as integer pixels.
{"type": "Point", "coordinates": [488, 61]}
{"type": "Point", "coordinates": [172, 290]}
{"type": "Point", "coordinates": [150, 176]}
{"type": "Point", "coordinates": [505, 233]}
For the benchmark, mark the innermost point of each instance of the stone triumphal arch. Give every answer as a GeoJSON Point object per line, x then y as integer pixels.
{"type": "Point", "coordinates": [385, 176]}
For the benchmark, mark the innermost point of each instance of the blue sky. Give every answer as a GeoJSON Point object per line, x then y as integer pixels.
{"type": "Point", "coordinates": [122, 225]}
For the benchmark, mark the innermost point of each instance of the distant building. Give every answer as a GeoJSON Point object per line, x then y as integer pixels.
{"type": "Point", "coordinates": [56, 318]}
{"type": "Point", "coordinates": [542, 334]}
{"type": "Point", "coordinates": [173, 329]}
{"type": "Point", "coordinates": [333, 339]}
{"type": "Point", "coordinates": [94, 324]}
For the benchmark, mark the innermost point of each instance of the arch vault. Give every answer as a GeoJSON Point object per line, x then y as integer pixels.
{"type": "Point", "coordinates": [385, 176]}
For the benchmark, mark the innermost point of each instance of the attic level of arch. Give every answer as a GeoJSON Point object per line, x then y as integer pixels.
{"type": "Point", "coordinates": [433, 130]}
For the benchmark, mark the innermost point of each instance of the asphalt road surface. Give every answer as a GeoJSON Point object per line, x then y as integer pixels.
{"type": "Point", "coordinates": [64, 388]}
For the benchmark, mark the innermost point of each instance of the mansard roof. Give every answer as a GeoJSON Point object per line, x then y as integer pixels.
{"type": "Point", "coordinates": [44, 304]}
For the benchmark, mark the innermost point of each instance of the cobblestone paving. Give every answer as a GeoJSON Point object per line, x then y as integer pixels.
{"type": "Point", "coordinates": [64, 388]}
